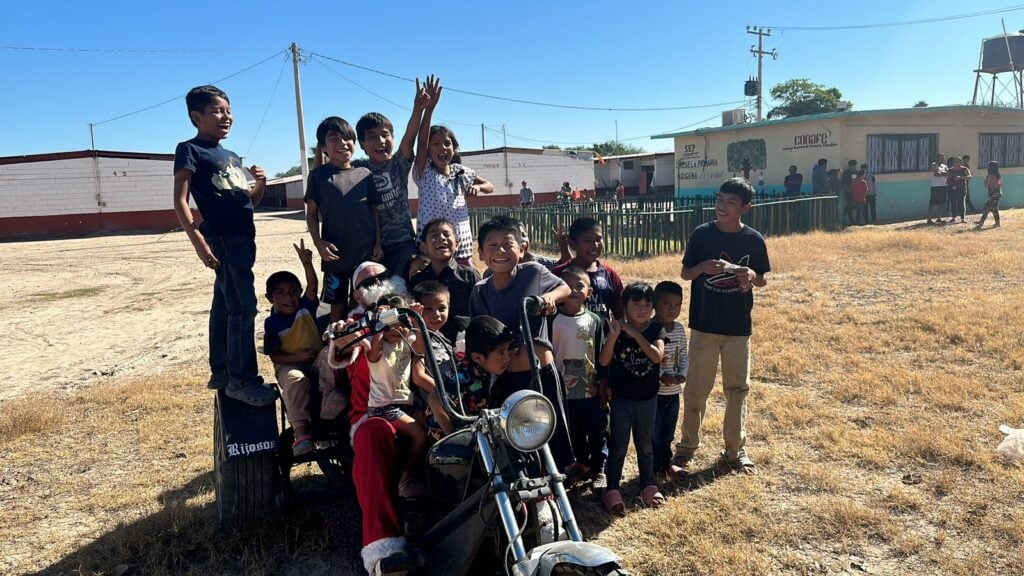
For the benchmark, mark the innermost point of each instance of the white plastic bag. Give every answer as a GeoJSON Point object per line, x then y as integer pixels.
{"type": "Point", "coordinates": [1012, 447]}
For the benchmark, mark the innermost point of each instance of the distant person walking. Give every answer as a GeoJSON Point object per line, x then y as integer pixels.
{"type": "Point", "coordinates": [819, 177]}
{"type": "Point", "coordinates": [526, 197]}
{"type": "Point", "coordinates": [937, 201]}
{"type": "Point", "coordinates": [994, 185]}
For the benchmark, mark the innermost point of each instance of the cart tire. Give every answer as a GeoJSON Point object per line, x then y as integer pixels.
{"type": "Point", "coordinates": [245, 488]}
{"type": "Point", "coordinates": [605, 570]}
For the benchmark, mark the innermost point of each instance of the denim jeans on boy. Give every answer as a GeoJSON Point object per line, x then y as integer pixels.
{"type": "Point", "coordinates": [588, 423]}
{"type": "Point", "coordinates": [233, 312]}
{"type": "Point", "coordinates": [636, 416]}
{"type": "Point", "coordinates": [664, 430]}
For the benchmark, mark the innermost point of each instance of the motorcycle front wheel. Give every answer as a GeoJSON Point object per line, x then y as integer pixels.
{"type": "Point", "coordinates": [603, 570]}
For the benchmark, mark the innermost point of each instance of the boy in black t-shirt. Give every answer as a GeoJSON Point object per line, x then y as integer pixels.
{"type": "Point", "coordinates": [225, 241]}
{"type": "Point", "coordinates": [724, 259]}
{"type": "Point", "coordinates": [440, 244]}
{"type": "Point", "coordinates": [339, 195]}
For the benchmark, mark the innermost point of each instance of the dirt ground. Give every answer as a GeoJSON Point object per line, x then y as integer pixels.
{"type": "Point", "coordinates": [110, 306]}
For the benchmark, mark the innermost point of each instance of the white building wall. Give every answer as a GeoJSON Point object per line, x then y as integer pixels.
{"type": "Point", "coordinates": [62, 187]}
{"type": "Point", "coordinates": [664, 170]}
{"type": "Point", "coordinates": [544, 172]}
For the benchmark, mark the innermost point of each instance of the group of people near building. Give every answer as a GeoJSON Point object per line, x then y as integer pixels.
{"type": "Point", "coordinates": [951, 191]}
{"type": "Point", "coordinates": [613, 359]}
{"type": "Point", "coordinates": [855, 186]}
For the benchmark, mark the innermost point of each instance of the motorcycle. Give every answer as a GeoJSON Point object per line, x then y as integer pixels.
{"type": "Point", "coordinates": [494, 480]}
{"type": "Point", "coordinates": [497, 501]}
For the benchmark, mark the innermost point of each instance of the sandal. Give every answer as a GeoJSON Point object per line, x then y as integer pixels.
{"type": "Point", "coordinates": [740, 464]}
{"type": "Point", "coordinates": [613, 502]}
{"type": "Point", "coordinates": [651, 497]}
{"type": "Point", "coordinates": [303, 445]}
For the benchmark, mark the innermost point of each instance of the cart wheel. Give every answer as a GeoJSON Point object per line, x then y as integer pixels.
{"type": "Point", "coordinates": [246, 487]}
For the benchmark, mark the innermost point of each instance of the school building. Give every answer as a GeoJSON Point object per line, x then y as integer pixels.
{"type": "Point", "coordinates": [898, 146]}
{"type": "Point", "coordinates": [71, 193]}
{"type": "Point", "coordinates": [640, 174]}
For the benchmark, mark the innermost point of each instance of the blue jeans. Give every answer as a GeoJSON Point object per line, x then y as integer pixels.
{"type": "Point", "coordinates": [233, 312]}
{"type": "Point", "coordinates": [665, 421]}
{"type": "Point", "coordinates": [587, 424]}
{"type": "Point", "coordinates": [636, 416]}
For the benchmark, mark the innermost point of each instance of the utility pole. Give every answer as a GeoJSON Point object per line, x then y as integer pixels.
{"type": "Point", "coordinates": [504, 152]}
{"type": "Point", "coordinates": [303, 166]}
{"type": "Point", "coordinates": [482, 146]}
{"type": "Point", "coordinates": [760, 53]}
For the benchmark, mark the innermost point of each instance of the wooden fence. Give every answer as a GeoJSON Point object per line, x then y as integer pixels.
{"type": "Point", "coordinates": [645, 228]}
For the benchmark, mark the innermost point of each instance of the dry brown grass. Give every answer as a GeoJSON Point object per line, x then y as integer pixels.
{"type": "Point", "coordinates": [884, 361]}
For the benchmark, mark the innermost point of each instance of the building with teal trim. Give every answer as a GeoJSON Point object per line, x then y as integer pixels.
{"type": "Point", "coordinates": [898, 146]}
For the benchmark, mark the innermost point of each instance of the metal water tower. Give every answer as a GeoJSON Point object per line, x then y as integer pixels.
{"type": "Point", "coordinates": [1002, 61]}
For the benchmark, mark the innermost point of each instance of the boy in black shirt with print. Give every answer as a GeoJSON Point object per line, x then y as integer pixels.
{"type": "Point", "coordinates": [225, 241]}
{"type": "Point", "coordinates": [724, 260]}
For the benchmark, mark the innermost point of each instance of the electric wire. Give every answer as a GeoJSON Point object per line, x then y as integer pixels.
{"type": "Point", "coordinates": [136, 50]}
{"type": "Point", "coordinates": [1013, 8]}
{"type": "Point", "coordinates": [384, 98]}
{"type": "Point", "coordinates": [529, 102]}
{"type": "Point", "coordinates": [180, 96]}
{"type": "Point", "coordinates": [273, 93]}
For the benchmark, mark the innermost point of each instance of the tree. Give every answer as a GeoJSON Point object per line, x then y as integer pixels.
{"type": "Point", "coordinates": [921, 104]}
{"type": "Point", "coordinates": [551, 147]}
{"type": "Point", "coordinates": [801, 97]}
{"type": "Point", "coordinates": [294, 170]}
{"type": "Point", "coordinates": [615, 148]}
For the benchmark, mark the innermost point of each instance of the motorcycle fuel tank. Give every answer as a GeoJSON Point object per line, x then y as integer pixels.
{"type": "Point", "coordinates": [450, 461]}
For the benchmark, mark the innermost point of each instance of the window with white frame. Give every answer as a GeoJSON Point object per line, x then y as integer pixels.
{"type": "Point", "coordinates": [1007, 149]}
{"type": "Point", "coordinates": [894, 153]}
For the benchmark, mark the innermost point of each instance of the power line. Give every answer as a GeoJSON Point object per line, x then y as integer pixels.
{"type": "Point", "coordinates": [384, 98]}
{"type": "Point", "coordinates": [273, 93]}
{"type": "Point", "coordinates": [136, 50]}
{"type": "Point", "coordinates": [582, 142]}
{"type": "Point", "coordinates": [180, 96]}
{"type": "Point", "coordinates": [529, 102]}
{"type": "Point", "coordinates": [902, 22]}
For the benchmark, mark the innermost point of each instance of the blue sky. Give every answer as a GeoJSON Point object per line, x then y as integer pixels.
{"type": "Point", "coordinates": [596, 54]}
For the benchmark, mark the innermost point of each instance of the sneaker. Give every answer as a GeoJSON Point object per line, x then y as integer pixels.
{"type": "Point", "coordinates": [600, 481]}
{"type": "Point", "coordinates": [217, 383]}
{"type": "Point", "coordinates": [303, 445]}
{"type": "Point", "coordinates": [255, 394]}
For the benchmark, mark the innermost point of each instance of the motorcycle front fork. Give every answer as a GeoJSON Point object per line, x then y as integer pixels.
{"type": "Point", "coordinates": [508, 516]}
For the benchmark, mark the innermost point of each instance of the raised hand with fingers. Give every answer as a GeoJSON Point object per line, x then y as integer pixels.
{"type": "Point", "coordinates": [305, 254]}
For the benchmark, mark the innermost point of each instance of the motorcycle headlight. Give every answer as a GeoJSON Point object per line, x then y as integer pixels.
{"type": "Point", "coordinates": [527, 420]}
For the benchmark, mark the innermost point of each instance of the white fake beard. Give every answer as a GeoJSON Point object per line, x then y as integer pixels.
{"type": "Point", "coordinates": [370, 296]}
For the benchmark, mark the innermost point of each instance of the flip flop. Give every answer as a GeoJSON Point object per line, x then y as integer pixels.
{"type": "Point", "coordinates": [613, 502]}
